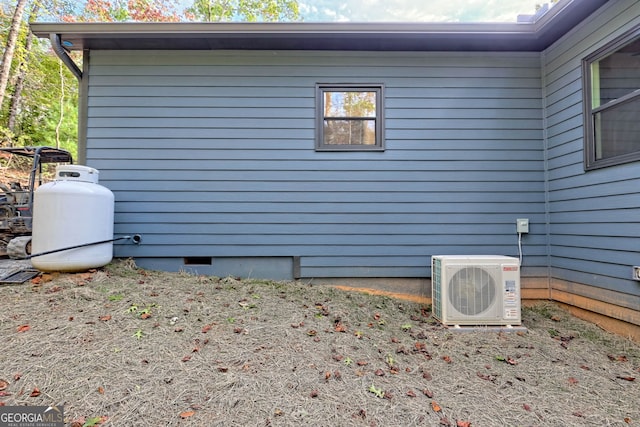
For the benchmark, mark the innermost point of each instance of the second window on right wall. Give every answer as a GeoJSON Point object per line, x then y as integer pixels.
{"type": "Point", "coordinates": [612, 102]}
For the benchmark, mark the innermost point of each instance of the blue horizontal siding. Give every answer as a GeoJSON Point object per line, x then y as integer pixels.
{"type": "Point", "coordinates": [212, 154]}
{"type": "Point", "coordinates": [436, 198]}
{"type": "Point", "coordinates": [594, 216]}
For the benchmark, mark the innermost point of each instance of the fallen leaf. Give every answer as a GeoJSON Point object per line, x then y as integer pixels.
{"type": "Point", "coordinates": [35, 392]}
{"type": "Point", "coordinates": [223, 369]}
{"type": "Point", "coordinates": [206, 328]}
{"type": "Point", "coordinates": [627, 420]}
{"type": "Point", "coordinates": [17, 376]}
{"type": "Point", "coordinates": [427, 393]}
{"type": "Point", "coordinates": [626, 378]}
{"type": "Point", "coordinates": [577, 414]}
{"type": "Point", "coordinates": [573, 381]}
{"type": "Point", "coordinates": [526, 407]}
{"type": "Point", "coordinates": [312, 332]}
{"type": "Point", "coordinates": [460, 423]}
{"type": "Point", "coordinates": [80, 279]}
{"type": "Point", "coordinates": [620, 358]}
{"type": "Point", "coordinates": [314, 393]}
{"type": "Point", "coordinates": [411, 393]}
{"type": "Point", "coordinates": [105, 318]}
{"type": "Point", "coordinates": [420, 347]}
{"type": "Point", "coordinates": [486, 377]}
{"type": "Point", "coordinates": [23, 328]}
{"type": "Point", "coordinates": [4, 393]}
{"type": "Point", "coordinates": [447, 359]}
{"type": "Point", "coordinates": [187, 414]}
{"type": "Point", "coordinates": [435, 406]}
{"type": "Point", "coordinates": [4, 384]}
{"type": "Point", "coordinates": [362, 362]}
{"type": "Point", "coordinates": [340, 327]}
{"type": "Point", "coordinates": [444, 421]}
{"type": "Point", "coordinates": [327, 375]}
{"type": "Point", "coordinates": [555, 318]}
{"type": "Point", "coordinates": [186, 358]}
{"type": "Point", "coordinates": [145, 315]}
{"type": "Point", "coordinates": [511, 361]}
{"type": "Point", "coordinates": [101, 390]}
{"type": "Point", "coordinates": [379, 372]}
{"type": "Point", "coordinates": [427, 376]}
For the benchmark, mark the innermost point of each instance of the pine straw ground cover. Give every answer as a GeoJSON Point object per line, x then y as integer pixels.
{"type": "Point", "coordinates": [125, 347]}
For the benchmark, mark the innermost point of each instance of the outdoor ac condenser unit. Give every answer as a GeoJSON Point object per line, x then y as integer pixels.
{"type": "Point", "coordinates": [476, 290]}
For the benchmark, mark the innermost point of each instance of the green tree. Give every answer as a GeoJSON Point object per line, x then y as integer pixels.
{"type": "Point", "coordinates": [243, 10]}
{"type": "Point", "coordinates": [41, 93]}
{"type": "Point", "coordinates": [125, 10]}
{"type": "Point", "coordinates": [21, 74]}
{"type": "Point", "coordinates": [10, 47]}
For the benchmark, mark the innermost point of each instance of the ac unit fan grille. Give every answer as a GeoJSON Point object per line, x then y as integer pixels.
{"type": "Point", "coordinates": [472, 290]}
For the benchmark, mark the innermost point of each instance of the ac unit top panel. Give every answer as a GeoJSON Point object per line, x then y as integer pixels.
{"type": "Point", "coordinates": [467, 259]}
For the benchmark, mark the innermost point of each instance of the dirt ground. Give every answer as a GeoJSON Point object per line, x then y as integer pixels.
{"type": "Point", "coordinates": [123, 346]}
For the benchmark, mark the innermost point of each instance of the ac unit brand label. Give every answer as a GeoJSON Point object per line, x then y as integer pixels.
{"type": "Point", "coordinates": [509, 268]}
{"type": "Point", "coordinates": [510, 294]}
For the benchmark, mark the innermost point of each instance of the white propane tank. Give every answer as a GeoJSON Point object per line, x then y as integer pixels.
{"type": "Point", "coordinates": [72, 210]}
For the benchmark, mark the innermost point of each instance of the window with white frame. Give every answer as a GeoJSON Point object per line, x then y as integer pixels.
{"type": "Point", "coordinates": [349, 117]}
{"type": "Point", "coordinates": [612, 102]}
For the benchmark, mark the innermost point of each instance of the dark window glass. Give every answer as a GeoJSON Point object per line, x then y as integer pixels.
{"type": "Point", "coordinates": [612, 103]}
{"type": "Point", "coordinates": [349, 118]}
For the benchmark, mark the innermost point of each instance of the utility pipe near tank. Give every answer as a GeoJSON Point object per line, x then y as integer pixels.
{"type": "Point", "coordinates": [136, 239]}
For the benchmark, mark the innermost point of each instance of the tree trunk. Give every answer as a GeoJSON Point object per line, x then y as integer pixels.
{"type": "Point", "coordinates": [12, 39]}
{"type": "Point", "coordinates": [16, 100]}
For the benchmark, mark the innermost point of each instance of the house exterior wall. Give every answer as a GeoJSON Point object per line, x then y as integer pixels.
{"type": "Point", "coordinates": [594, 216]}
{"type": "Point", "coordinates": [211, 154]}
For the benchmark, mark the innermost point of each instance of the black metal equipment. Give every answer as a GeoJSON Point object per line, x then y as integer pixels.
{"type": "Point", "coordinates": [16, 200]}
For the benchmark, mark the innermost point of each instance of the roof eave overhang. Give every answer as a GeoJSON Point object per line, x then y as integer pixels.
{"type": "Point", "coordinates": [324, 36]}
